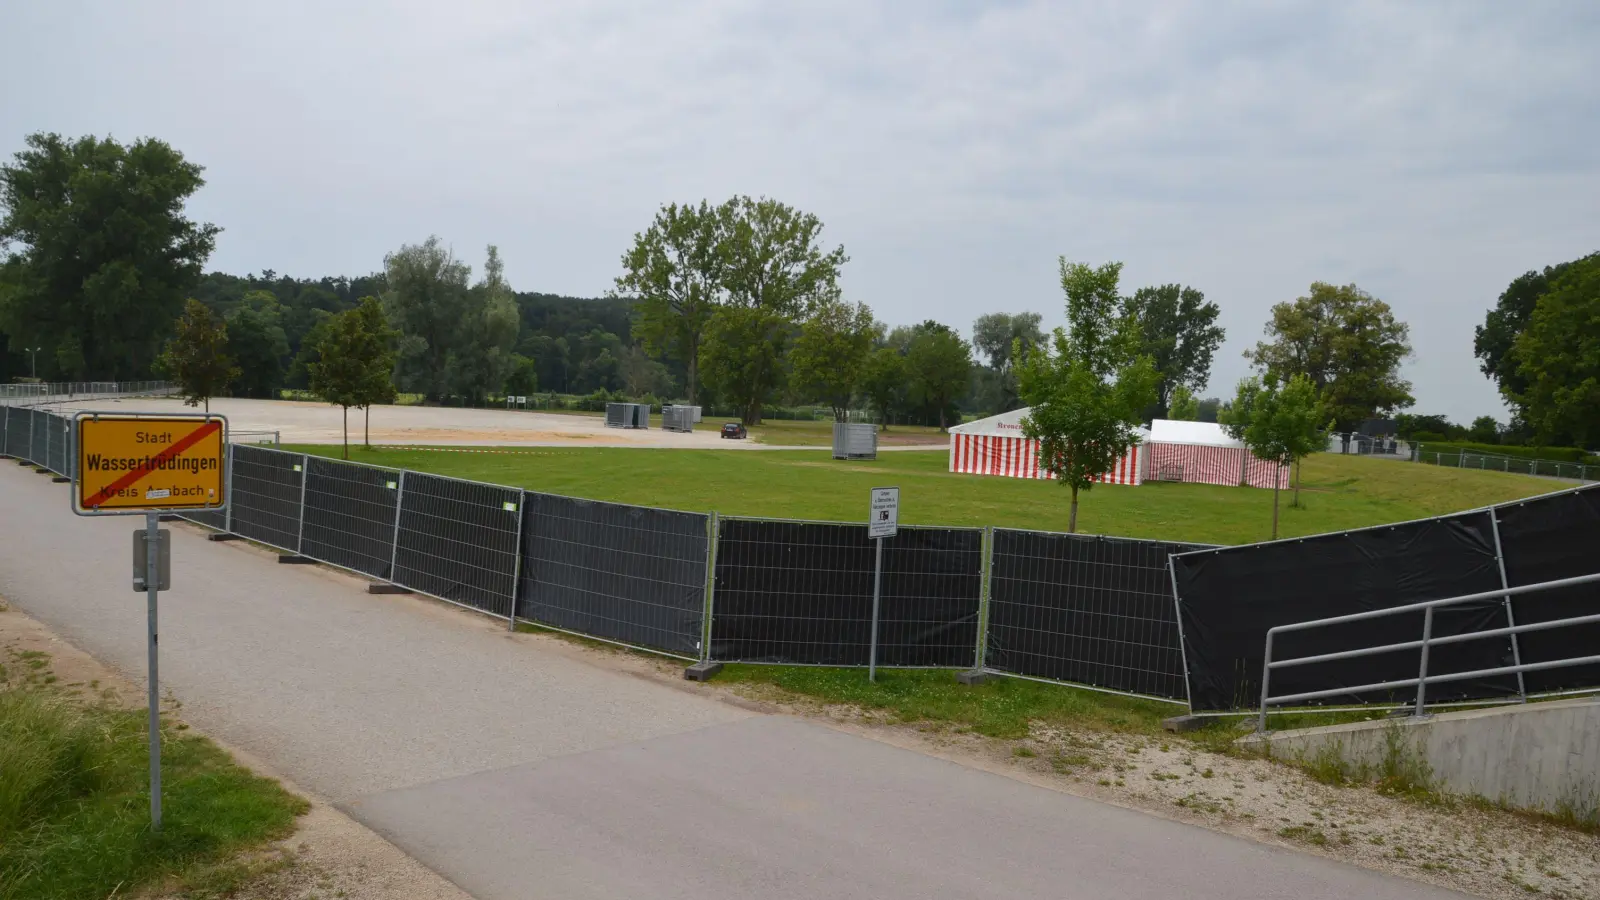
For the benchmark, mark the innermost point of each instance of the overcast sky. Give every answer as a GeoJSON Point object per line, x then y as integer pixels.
{"type": "Point", "coordinates": [1427, 152]}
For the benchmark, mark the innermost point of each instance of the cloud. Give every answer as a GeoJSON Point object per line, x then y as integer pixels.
{"type": "Point", "coordinates": [1429, 152]}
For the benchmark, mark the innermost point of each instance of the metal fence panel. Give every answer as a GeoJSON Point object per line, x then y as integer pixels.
{"type": "Point", "coordinates": [458, 540]}
{"type": "Point", "coordinates": [1087, 609]}
{"type": "Point", "coordinates": [60, 440]}
{"type": "Point", "coordinates": [266, 496]}
{"type": "Point", "coordinates": [1543, 539]}
{"type": "Point", "coordinates": [629, 574]}
{"type": "Point", "coordinates": [16, 432]}
{"type": "Point", "coordinates": [801, 592]}
{"type": "Point", "coordinates": [38, 437]}
{"type": "Point", "coordinates": [350, 515]}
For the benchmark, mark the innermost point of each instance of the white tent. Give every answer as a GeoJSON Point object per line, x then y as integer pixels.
{"type": "Point", "coordinates": [1203, 453]}
{"type": "Point", "coordinates": [996, 446]}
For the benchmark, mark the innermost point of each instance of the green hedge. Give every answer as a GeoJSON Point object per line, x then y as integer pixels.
{"type": "Point", "coordinates": [1557, 454]}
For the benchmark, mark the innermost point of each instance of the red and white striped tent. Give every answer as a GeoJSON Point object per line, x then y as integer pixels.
{"type": "Point", "coordinates": [1203, 453]}
{"type": "Point", "coordinates": [995, 446]}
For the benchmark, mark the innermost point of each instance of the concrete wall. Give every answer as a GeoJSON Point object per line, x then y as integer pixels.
{"type": "Point", "coordinates": [1539, 756]}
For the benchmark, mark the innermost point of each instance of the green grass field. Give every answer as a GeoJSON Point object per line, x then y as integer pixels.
{"type": "Point", "coordinates": [1340, 492]}
{"type": "Point", "coordinates": [74, 799]}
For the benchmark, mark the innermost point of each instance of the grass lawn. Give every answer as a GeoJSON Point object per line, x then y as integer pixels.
{"type": "Point", "coordinates": [74, 799]}
{"type": "Point", "coordinates": [1340, 491]}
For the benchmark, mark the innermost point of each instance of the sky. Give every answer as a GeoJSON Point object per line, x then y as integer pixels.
{"type": "Point", "coordinates": [1426, 152]}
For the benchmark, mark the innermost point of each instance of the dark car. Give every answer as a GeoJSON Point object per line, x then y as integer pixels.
{"type": "Point", "coordinates": [734, 430]}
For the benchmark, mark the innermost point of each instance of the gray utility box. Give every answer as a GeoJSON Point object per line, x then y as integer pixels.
{"type": "Point", "coordinates": [627, 415]}
{"type": "Point", "coordinates": [855, 440]}
{"type": "Point", "coordinates": [679, 418]}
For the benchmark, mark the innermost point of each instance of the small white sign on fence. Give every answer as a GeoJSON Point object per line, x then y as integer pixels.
{"type": "Point", "coordinates": [884, 518]}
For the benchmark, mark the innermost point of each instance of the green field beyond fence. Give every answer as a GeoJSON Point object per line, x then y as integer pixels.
{"type": "Point", "coordinates": [1340, 492]}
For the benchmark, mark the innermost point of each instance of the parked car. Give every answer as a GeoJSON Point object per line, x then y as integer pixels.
{"type": "Point", "coordinates": [734, 430]}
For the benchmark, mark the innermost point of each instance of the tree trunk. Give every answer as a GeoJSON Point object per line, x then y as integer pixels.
{"type": "Point", "coordinates": [1274, 510]}
{"type": "Point", "coordinates": [1072, 519]}
{"type": "Point", "coordinates": [366, 426]}
{"type": "Point", "coordinates": [693, 374]}
{"type": "Point", "coordinates": [752, 414]}
{"type": "Point", "coordinates": [941, 423]}
{"type": "Point", "coordinates": [1296, 502]}
{"type": "Point", "coordinates": [346, 431]}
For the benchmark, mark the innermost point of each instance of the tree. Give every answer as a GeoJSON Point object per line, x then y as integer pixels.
{"type": "Point", "coordinates": [1206, 410]}
{"type": "Point", "coordinates": [354, 362]}
{"type": "Point", "coordinates": [673, 274]}
{"type": "Point", "coordinates": [995, 335]}
{"type": "Point", "coordinates": [480, 356]}
{"type": "Point", "coordinates": [1494, 340]}
{"type": "Point", "coordinates": [1558, 356]}
{"type": "Point", "coordinates": [99, 256]}
{"type": "Point", "coordinates": [774, 272]}
{"type": "Point", "coordinates": [742, 357]}
{"type": "Point", "coordinates": [524, 378]}
{"type": "Point", "coordinates": [1281, 422]}
{"type": "Point", "coordinates": [257, 342]}
{"type": "Point", "coordinates": [642, 375]}
{"type": "Point", "coordinates": [196, 356]}
{"type": "Point", "coordinates": [939, 363]}
{"type": "Point", "coordinates": [1182, 405]}
{"type": "Point", "coordinates": [831, 352]}
{"type": "Point", "coordinates": [1347, 343]}
{"type": "Point", "coordinates": [1178, 330]}
{"type": "Point", "coordinates": [1087, 395]}
{"type": "Point", "coordinates": [428, 300]}
{"type": "Point", "coordinates": [1484, 430]}
{"type": "Point", "coordinates": [883, 382]}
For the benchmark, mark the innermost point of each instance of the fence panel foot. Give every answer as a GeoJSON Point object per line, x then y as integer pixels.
{"type": "Point", "coordinates": [1181, 724]}
{"type": "Point", "coordinates": [702, 671]}
{"type": "Point", "coordinates": [976, 676]}
{"type": "Point", "coordinates": [219, 536]}
{"type": "Point", "coordinates": [378, 587]}
{"type": "Point", "coordinates": [293, 559]}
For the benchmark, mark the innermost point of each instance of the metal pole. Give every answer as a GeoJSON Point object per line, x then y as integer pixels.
{"type": "Point", "coordinates": [152, 581]}
{"type": "Point", "coordinates": [300, 529]}
{"type": "Point", "coordinates": [1266, 677]}
{"type": "Point", "coordinates": [877, 589]}
{"type": "Point", "coordinates": [394, 542]}
{"type": "Point", "coordinates": [227, 514]}
{"type": "Point", "coordinates": [1511, 619]}
{"type": "Point", "coordinates": [1422, 673]}
{"type": "Point", "coordinates": [980, 654]}
{"type": "Point", "coordinates": [713, 531]}
{"type": "Point", "coordinates": [516, 565]}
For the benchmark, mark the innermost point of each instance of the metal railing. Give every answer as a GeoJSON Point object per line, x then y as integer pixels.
{"type": "Point", "coordinates": [1428, 641]}
{"type": "Point", "coordinates": [1502, 462]}
{"type": "Point", "coordinates": [36, 393]}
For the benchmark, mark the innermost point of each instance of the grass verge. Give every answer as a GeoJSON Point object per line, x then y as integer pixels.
{"type": "Point", "coordinates": [74, 800]}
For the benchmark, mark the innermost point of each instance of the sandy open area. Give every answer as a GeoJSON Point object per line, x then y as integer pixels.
{"type": "Point", "coordinates": [305, 422]}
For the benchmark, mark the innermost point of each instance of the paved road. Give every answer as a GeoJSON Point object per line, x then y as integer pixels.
{"type": "Point", "coordinates": [523, 773]}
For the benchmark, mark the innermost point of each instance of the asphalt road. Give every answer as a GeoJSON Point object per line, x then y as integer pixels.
{"type": "Point", "coordinates": [523, 773]}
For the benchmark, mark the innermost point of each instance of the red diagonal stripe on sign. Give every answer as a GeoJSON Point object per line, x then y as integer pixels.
{"type": "Point", "coordinates": [188, 440]}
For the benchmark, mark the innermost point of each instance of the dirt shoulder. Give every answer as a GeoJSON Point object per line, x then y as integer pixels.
{"type": "Point", "coordinates": [330, 855]}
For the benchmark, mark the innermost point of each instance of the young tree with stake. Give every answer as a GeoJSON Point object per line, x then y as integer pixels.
{"type": "Point", "coordinates": [1281, 422]}
{"type": "Point", "coordinates": [197, 355]}
{"type": "Point", "coordinates": [354, 362]}
{"type": "Point", "coordinates": [1088, 394]}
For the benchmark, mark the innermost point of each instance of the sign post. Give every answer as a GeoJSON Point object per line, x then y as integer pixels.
{"type": "Point", "coordinates": [131, 465]}
{"type": "Point", "coordinates": [883, 521]}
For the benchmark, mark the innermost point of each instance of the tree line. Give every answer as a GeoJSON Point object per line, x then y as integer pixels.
{"type": "Point", "coordinates": [737, 304]}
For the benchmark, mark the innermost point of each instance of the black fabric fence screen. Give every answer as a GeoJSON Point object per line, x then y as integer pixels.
{"type": "Point", "coordinates": [801, 592]}
{"type": "Point", "coordinates": [266, 492]}
{"type": "Point", "coordinates": [350, 515]}
{"type": "Point", "coordinates": [1544, 539]}
{"type": "Point", "coordinates": [623, 573]}
{"type": "Point", "coordinates": [1084, 608]}
{"type": "Point", "coordinates": [458, 540]}
{"type": "Point", "coordinates": [1229, 597]}
{"type": "Point", "coordinates": [17, 422]}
